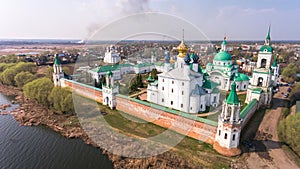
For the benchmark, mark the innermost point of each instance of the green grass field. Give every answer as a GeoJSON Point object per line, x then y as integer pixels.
{"type": "Point", "coordinates": [198, 153]}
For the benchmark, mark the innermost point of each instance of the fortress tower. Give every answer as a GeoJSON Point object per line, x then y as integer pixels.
{"type": "Point", "coordinates": [229, 125]}
{"type": "Point", "coordinates": [109, 90]}
{"type": "Point", "coordinates": [261, 82]}
{"type": "Point", "coordinates": [58, 73]}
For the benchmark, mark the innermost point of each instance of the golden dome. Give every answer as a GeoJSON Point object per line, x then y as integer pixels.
{"type": "Point", "coordinates": [182, 48]}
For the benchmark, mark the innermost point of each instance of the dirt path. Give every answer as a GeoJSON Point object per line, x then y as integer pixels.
{"type": "Point", "coordinates": [268, 152]}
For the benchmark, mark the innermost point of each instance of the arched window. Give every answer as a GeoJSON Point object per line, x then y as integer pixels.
{"type": "Point", "coordinates": [225, 136]}
{"type": "Point", "coordinates": [233, 137]}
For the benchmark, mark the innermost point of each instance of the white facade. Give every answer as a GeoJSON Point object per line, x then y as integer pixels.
{"type": "Point", "coordinates": [229, 122]}
{"type": "Point", "coordinates": [57, 72]}
{"type": "Point", "coordinates": [118, 70]}
{"type": "Point", "coordinates": [182, 88]}
{"type": "Point", "coordinates": [111, 55]}
{"type": "Point", "coordinates": [109, 91]}
{"type": "Point", "coordinates": [261, 81]}
{"type": "Point", "coordinates": [224, 72]}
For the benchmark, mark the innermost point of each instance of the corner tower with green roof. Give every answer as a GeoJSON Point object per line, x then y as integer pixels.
{"type": "Point", "coordinates": [57, 71]}
{"type": "Point", "coordinates": [109, 91]}
{"type": "Point", "coordinates": [229, 124]}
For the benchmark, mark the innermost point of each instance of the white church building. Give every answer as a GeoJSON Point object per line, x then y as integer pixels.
{"type": "Point", "coordinates": [184, 87]}
{"type": "Point", "coordinates": [111, 55]}
{"type": "Point", "coordinates": [224, 71]}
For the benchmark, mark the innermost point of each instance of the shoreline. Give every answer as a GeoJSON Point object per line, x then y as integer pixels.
{"type": "Point", "coordinates": [30, 113]}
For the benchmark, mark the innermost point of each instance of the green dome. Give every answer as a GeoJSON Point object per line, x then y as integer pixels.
{"type": "Point", "coordinates": [241, 77]}
{"type": "Point", "coordinates": [109, 73]}
{"type": "Point", "coordinates": [237, 79]}
{"type": "Point", "coordinates": [267, 48]}
{"type": "Point", "coordinates": [244, 77]}
{"type": "Point", "coordinates": [209, 64]}
{"type": "Point", "coordinates": [223, 56]}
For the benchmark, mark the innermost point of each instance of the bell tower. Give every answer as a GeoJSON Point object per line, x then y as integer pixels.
{"type": "Point", "coordinates": [229, 125]}
{"type": "Point", "coordinates": [261, 81]}
{"type": "Point", "coordinates": [57, 72]}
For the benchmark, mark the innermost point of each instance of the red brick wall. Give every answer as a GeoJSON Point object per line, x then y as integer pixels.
{"type": "Point", "coordinates": [191, 128]}
{"type": "Point", "coordinates": [84, 91]}
{"type": "Point", "coordinates": [197, 130]}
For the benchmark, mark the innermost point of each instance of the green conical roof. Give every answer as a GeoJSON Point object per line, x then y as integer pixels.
{"type": "Point", "coordinates": [233, 97]}
{"type": "Point", "coordinates": [56, 61]}
{"type": "Point", "coordinates": [274, 63]}
{"type": "Point", "coordinates": [269, 31]}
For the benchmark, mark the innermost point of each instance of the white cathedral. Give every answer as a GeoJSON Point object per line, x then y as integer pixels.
{"type": "Point", "coordinates": [224, 71]}
{"type": "Point", "coordinates": [111, 55]}
{"type": "Point", "coordinates": [183, 88]}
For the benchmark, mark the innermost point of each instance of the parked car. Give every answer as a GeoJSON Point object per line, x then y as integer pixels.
{"type": "Point", "coordinates": [289, 89]}
{"type": "Point", "coordinates": [286, 95]}
{"type": "Point", "coordinates": [247, 144]}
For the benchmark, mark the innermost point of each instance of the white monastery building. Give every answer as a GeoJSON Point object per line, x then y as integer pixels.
{"type": "Point", "coordinates": [224, 71]}
{"type": "Point", "coordinates": [183, 88]}
{"type": "Point", "coordinates": [111, 55]}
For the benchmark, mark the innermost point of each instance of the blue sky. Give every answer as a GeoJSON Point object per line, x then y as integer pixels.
{"type": "Point", "coordinates": [76, 19]}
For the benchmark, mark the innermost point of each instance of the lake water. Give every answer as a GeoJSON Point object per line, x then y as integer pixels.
{"type": "Point", "coordinates": [40, 147]}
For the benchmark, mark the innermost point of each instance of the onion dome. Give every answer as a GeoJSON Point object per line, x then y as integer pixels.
{"type": "Point", "coordinates": [223, 56]}
{"type": "Point", "coordinates": [167, 57]}
{"type": "Point", "coordinates": [182, 48]}
{"type": "Point", "coordinates": [187, 59]}
{"type": "Point", "coordinates": [194, 57]}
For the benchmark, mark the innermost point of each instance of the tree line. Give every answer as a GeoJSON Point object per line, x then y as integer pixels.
{"type": "Point", "coordinates": [43, 91]}
{"type": "Point", "coordinates": [288, 131]}
{"type": "Point", "coordinates": [35, 86]}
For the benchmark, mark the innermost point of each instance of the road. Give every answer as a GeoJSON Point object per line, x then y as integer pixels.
{"type": "Point", "coordinates": [268, 152]}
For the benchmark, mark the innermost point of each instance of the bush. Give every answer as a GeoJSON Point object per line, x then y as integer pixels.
{"type": "Point", "coordinates": [11, 70]}
{"type": "Point", "coordinates": [61, 100]}
{"type": "Point", "coordinates": [288, 131]}
{"type": "Point", "coordinates": [49, 72]}
{"type": "Point", "coordinates": [22, 78]}
{"type": "Point", "coordinates": [39, 90]}
{"type": "Point", "coordinates": [8, 76]}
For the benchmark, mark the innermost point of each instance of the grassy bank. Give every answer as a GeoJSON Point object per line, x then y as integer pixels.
{"type": "Point", "coordinates": [196, 152]}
